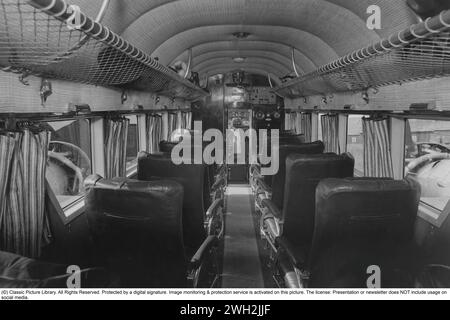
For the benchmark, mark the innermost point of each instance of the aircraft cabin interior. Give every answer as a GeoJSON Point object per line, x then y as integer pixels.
{"type": "Point", "coordinates": [225, 143]}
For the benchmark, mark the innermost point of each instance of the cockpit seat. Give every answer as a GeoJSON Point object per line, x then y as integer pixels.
{"type": "Point", "coordinates": [302, 173]}
{"type": "Point", "coordinates": [137, 231]}
{"type": "Point", "coordinates": [363, 235]}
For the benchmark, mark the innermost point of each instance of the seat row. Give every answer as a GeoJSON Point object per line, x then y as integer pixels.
{"type": "Point", "coordinates": [327, 229]}
{"type": "Point", "coordinates": [162, 230]}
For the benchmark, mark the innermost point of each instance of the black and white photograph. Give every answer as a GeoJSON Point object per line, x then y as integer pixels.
{"type": "Point", "coordinates": [224, 150]}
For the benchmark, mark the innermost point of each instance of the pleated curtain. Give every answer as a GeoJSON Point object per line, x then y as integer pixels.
{"type": "Point", "coordinates": [377, 149]}
{"type": "Point", "coordinates": [116, 147]}
{"type": "Point", "coordinates": [180, 122]}
{"type": "Point", "coordinates": [173, 124]}
{"type": "Point", "coordinates": [184, 120]}
{"type": "Point", "coordinates": [154, 132]}
{"type": "Point", "coordinates": [165, 126]}
{"type": "Point", "coordinates": [290, 120]}
{"type": "Point", "coordinates": [306, 126]}
{"type": "Point", "coordinates": [23, 220]}
{"type": "Point", "coordinates": [188, 117]}
{"type": "Point", "coordinates": [330, 133]}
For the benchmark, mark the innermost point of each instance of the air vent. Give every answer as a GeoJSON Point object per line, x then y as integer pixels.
{"type": "Point", "coordinates": [423, 106]}
{"type": "Point", "coordinates": [241, 35]}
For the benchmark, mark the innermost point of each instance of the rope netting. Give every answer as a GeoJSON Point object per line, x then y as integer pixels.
{"type": "Point", "coordinates": [41, 43]}
{"type": "Point", "coordinates": [409, 56]}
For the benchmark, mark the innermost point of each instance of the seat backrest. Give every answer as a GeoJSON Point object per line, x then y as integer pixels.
{"type": "Point", "coordinates": [137, 230]}
{"type": "Point", "coordinates": [362, 223]}
{"type": "Point", "coordinates": [167, 147]}
{"type": "Point", "coordinates": [191, 177]}
{"type": "Point", "coordinates": [278, 180]}
{"type": "Point", "coordinates": [292, 139]}
{"type": "Point", "coordinates": [303, 174]}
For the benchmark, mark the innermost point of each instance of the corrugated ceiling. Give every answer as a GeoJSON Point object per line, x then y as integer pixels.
{"type": "Point", "coordinates": [319, 30]}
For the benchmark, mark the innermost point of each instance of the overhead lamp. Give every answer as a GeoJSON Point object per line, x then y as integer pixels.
{"type": "Point", "coordinates": [239, 59]}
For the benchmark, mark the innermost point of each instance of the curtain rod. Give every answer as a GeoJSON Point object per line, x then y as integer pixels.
{"type": "Point", "coordinates": [62, 116]}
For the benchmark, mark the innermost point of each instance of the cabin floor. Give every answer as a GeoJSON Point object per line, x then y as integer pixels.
{"type": "Point", "coordinates": [245, 261]}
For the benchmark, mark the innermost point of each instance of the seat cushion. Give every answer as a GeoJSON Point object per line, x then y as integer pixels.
{"type": "Point", "coordinates": [20, 268]}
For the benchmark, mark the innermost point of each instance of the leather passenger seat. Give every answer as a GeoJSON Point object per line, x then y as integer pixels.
{"type": "Point", "coordinates": [362, 226]}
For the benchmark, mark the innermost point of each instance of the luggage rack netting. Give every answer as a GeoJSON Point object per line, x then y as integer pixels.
{"type": "Point", "coordinates": [35, 39]}
{"type": "Point", "coordinates": [420, 52]}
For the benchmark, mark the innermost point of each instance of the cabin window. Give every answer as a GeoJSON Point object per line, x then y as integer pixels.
{"type": "Point", "coordinates": [132, 142]}
{"type": "Point", "coordinates": [355, 142]}
{"type": "Point", "coordinates": [69, 160]}
{"type": "Point", "coordinates": [427, 159]}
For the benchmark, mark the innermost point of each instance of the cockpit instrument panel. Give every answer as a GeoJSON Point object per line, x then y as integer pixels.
{"type": "Point", "coordinates": [262, 96]}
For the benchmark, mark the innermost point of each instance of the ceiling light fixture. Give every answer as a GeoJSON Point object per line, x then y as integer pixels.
{"type": "Point", "coordinates": [241, 35]}
{"type": "Point", "coordinates": [239, 59]}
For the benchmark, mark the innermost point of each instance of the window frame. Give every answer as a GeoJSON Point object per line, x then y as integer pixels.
{"type": "Point", "coordinates": [427, 212]}
{"type": "Point", "coordinates": [76, 208]}
{"type": "Point", "coordinates": [96, 124]}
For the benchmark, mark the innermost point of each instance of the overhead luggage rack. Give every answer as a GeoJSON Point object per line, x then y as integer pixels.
{"type": "Point", "coordinates": [36, 38]}
{"type": "Point", "coordinates": [417, 53]}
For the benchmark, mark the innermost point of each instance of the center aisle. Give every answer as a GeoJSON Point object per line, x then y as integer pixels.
{"type": "Point", "coordinates": [241, 264]}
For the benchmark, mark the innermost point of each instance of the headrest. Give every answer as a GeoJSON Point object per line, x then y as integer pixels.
{"type": "Point", "coordinates": [130, 198]}
{"type": "Point", "coordinates": [368, 201]}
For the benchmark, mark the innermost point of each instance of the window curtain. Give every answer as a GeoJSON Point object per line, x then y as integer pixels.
{"type": "Point", "coordinates": [23, 220]}
{"type": "Point", "coordinates": [330, 133]}
{"type": "Point", "coordinates": [180, 121]}
{"type": "Point", "coordinates": [186, 120]}
{"type": "Point", "coordinates": [116, 147]}
{"type": "Point", "coordinates": [154, 132]}
{"type": "Point", "coordinates": [165, 126]}
{"type": "Point", "coordinates": [290, 121]}
{"type": "Point", "coordinates": [377, 148]}
{"type": "Point", "coordinates": [188, 117]}
{"type": "Point", "coordinates": [306, 126]}
{"type": "Point", "coordinates": [173, 123]}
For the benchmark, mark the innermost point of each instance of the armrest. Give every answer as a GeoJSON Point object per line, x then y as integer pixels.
{"type": "Point", "coordinates": [255, 169]}
{"type": "Point", "coordinates": [272, 208]}
{"type": "Point", "coordinates": [263, 185]}
{"type": "Point", "coordinates": [207, 245]}
{"type": "Point", "coordinates": [214, 207]}
{"type": "Point", "coordinates": [219, 183]}
{"type": "Point", "coordinates": [222, 171]}
{"type": "Point", "coordinates": [297, 256]}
